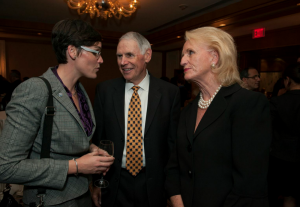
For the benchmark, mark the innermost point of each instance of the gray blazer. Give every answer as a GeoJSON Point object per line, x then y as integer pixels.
{"type": "Point", "coordinates": [21, 138]}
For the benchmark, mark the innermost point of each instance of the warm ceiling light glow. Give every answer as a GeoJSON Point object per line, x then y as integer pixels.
{"type": "Point", "coordinates": [222, 25]}
{"type": "Point", "coordinates": [103, 8]}
{"type": "Point", "coordinates": [298, 4]}
{"type": "Point", "coordinates": [178, 36]}
{"type": "Point", "coordinates": [39, 33]}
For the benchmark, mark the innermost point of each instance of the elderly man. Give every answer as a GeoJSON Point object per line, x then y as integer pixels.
{"type": "Point", "coordinates": [250, 78]}
{"type": "Point", "coordinates": [139, 113]}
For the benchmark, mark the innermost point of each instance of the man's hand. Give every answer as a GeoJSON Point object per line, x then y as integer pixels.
{"type": "Point", "coordinates": [96, 196]}
{"type": "Point", "coordinates": [176, 201]}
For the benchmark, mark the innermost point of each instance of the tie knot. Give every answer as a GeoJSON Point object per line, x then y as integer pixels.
{"type": "Point", "coordinates": [135, 88]}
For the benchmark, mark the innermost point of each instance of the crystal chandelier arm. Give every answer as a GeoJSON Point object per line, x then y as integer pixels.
{"type": "Point", "coordinates": [71, 3]}
{"type": "Point", "coordinates": [94, 8]}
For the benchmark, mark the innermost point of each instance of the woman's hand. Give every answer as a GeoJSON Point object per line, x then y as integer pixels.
{"type": "Point", "coordinates": [92, 163]}
{"type": "Point", "coordinates": [93, 148]}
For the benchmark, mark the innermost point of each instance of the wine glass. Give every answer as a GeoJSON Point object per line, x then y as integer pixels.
{"type": "Point", "coordinates": [107, 146]}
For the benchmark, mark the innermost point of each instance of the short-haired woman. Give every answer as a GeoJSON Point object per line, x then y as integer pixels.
{"type": "Point", "coordinates": [65, 175]}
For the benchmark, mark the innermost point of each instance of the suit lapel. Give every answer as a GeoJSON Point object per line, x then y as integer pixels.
{"type": "Point", "coordinates": [191, 117]}
{"type": "Point", "coordinates": [60, 94]}
{"type": "Point", "coordinates": [216, 108]}
{"type": "Point", "coordinates": [119, 100]}
{"type": "Point", "coordinates": [153, 101]}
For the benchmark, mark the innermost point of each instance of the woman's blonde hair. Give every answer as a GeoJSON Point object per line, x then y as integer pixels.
{"type": "Point", "coordinates": [223, 43]}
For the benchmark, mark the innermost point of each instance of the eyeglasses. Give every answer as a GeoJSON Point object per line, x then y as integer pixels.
{"type": "Point", "coordinates": [254, 77]}
{"type": "Point", "coordinates": [96, 53]}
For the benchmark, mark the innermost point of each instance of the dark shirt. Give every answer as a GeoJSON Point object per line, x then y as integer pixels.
{"type": "Point", "coordinates": [285, 111]}
{"type": "Point", "coordinates": [84, 113]}
{"type": "Point", "coordinates": [4, 85]}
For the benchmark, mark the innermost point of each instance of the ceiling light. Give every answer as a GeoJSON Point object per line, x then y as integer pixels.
{"type": "Point", "coordinates": [222, 25]}
{"type": "Point", "coordinates": [298, 4]}
{"type": "Point", "coordinates": [103, 8]}
{"type": "Point", "coordinates": [178, 36]}
{"type": "Point", "coordinates": [39, 33]}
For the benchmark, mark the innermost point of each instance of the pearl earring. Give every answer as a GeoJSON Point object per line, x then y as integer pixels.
{"type": "Point", "coordinates": [213, 65]}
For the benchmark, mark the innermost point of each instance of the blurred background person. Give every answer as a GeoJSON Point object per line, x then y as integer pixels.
{"type": "Point", "coordinates": [224, 135]}
{"type": "Point", "coordinates": [4, 85]}
{"type": "Point", "coordinates": [65, 175]}
{"type": "Point", "coordinates": [285, 150]}
{"type": "Point", "coordinates": [250, 78]}
{"type": "Point", "coordinates": [15, 80]}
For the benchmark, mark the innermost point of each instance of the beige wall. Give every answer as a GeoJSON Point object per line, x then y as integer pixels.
{"type": "Point", "coordinates": [29, 58]}
{"type": "Point", "coordinates": [33, 59]}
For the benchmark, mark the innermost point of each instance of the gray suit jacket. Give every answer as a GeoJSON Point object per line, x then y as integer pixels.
{"type": "Point", "coordinates": [20, 142]}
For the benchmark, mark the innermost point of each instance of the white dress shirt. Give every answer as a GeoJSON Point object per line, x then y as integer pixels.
{"type": "Point", "coordinates": [143, 93]}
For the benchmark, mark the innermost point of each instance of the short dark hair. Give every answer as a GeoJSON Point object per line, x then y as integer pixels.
{"type": "Point", "coordinates": [293, 72]}
{"type": "Point", "coordinates": [15, 73]}
{"type": "Point", "coordinates": [72, 32]}
{"type": "Point", "coordinates": [244, 73]}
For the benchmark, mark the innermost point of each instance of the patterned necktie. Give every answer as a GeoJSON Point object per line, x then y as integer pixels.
{"type": "Point", "coordinates": [134, 145]}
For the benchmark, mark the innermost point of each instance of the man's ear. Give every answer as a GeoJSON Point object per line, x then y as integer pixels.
{"type": "Point", "coordinates": [72, 52]}
{"type": "Point", "coordinates": [244, 83]}
{"type": "Point", "coordinates": [148, 55]}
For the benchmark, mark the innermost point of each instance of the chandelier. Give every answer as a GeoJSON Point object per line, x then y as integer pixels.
{"type": "Point", "coordinates": [103, 8]}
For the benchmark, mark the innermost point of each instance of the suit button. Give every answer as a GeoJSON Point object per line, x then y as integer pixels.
{"type": "Point", "coordinates": [190, 173]}
{"type": "Point", "coordinates": [189, 148]}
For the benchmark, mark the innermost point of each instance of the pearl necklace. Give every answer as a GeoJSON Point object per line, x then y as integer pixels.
{"type": "Point", "coordinates": [205, 104]}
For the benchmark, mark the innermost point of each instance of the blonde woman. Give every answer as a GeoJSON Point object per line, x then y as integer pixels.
{"type": "Point", "coordinates": [224, 135]}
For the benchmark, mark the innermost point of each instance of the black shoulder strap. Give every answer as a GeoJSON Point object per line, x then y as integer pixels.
{"type": "Point", "coordinates": [47, 131]}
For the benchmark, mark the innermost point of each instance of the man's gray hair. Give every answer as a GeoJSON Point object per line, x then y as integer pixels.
{"type": "Point", "coordinates": [142, 42]}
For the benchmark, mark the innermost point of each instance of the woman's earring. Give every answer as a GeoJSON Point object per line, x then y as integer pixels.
{"type": "Point", "coordinates": [213, 65]}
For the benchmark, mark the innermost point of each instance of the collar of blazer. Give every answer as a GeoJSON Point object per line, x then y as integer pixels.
{"type": "Point", "coordinates": [216, 108]}
{"type": "Point", "coordinates": [154, 97]}
{"type": "Point", "coordinates": [64, 100]}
